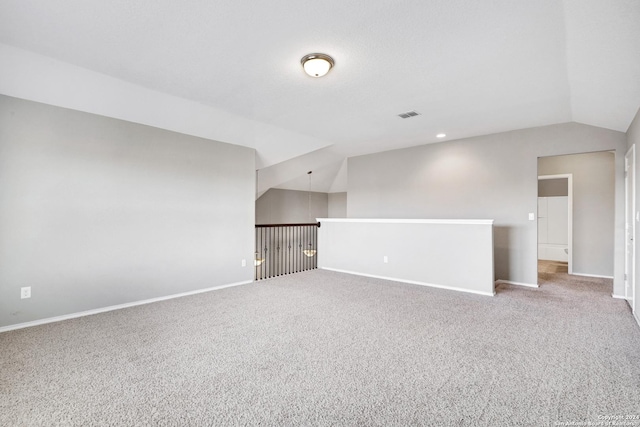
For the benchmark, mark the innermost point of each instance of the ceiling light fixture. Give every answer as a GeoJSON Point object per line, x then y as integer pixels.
{"type": "Point", "coordinates": [309, 252]}
{"type": "Point", "coordinates": [441, 135]}
{"type": "Point", "coordinates": [257, 259]}
{"type": "Point", "coordinates": [316, 64]}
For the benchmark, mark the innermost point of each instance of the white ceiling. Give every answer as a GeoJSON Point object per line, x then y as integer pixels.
{"type": "Point", "coordinates": [230, 71]}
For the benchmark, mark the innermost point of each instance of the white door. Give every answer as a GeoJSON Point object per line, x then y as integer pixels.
{"type": "Point", "coordinates": [630, 208]}
{"type": "Point", "coordinates": [558, 223]}
{"type": "Point", "coordinates": [553, 228]}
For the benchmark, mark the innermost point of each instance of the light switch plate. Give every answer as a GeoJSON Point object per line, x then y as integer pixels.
{"type": "Point", "coordinates": [532, 216]}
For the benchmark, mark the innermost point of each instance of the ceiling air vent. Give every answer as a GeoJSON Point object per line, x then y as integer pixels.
{"type": "Point", "coordinates": [408, 114]}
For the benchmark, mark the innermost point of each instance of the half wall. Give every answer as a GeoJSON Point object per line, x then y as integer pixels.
{"type": "Point", "coordinates": [450, 254]}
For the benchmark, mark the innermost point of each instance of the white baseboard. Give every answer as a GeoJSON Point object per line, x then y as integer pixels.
{"type": "Point", "coordinates": [115, 307]}
{"type": "Point", "coordinates": [619, 297]}
{"type": "Point", "coordinates": [509, 282]}
{"type": "Point", "coordinates": [413, 282]}
{"type": "Point", "coordinates": [591, 275]}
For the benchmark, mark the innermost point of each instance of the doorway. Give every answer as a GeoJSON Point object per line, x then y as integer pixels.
{"type": "Point", "coordinates": [584, 194]}
{"type": "Point", "coordinates": [555, 221]}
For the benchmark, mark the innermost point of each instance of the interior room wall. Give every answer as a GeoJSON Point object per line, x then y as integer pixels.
{"type": "Point", "coordinates": [485, 177]}
{"type": "Point", "coordinates": [593, 208]}
{"type": "Point", "coordinates": [337, 205]}
{"type": "Point", "coordinates": [98, 212]}
{"type": "Point", "coordinates": [633, 138]}
{"type": "Point", "coordinates": [278, 206]}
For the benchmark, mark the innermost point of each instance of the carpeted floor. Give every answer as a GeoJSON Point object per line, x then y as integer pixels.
{"type": "Point", "coordinates": [323, 348]}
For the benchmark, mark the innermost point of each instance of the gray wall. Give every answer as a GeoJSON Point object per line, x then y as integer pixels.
{"type": "Point", "coordinates": [485, 177]}
{"type": "Point", "coordinates": [593, 208]}
{"type": "Point", "coordinates": [553, 187]}
{"type": "Point", "coordinates": [338, 205]}
{"type": "Point", "coordinates": [633, 138]}
{"type": "Point", "coordinates": [98, 212]}
{"type": "Point", "coordinates": [278, 206]}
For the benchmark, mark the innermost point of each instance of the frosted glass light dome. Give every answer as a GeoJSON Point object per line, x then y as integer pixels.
{"type": "Point", "coordinates": [317, 64]}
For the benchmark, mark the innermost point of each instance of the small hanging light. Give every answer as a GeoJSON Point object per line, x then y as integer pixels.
{"type": "Point", "coordinates": [317, 64]}
{"type": "Point", "coordinates": [309, 252]}
{"type": "Point", "coordinates": [257, 261]}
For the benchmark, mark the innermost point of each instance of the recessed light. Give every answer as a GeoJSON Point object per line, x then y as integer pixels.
{"type": "Point", "coordinates": [441, 135]}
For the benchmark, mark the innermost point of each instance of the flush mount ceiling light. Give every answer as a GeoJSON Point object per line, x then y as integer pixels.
{"type": "Point", "coordinates": [441, 135]}
{"type": "Point", "coordinates": [316, 64]}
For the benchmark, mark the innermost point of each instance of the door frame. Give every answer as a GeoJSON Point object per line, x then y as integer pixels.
{"type": "Point", "coordinates": [630, 222]}
{"type": "Point", "coordinates": [569, 177]}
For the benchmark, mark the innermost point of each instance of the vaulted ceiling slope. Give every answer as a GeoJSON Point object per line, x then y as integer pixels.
{"type": "Point", "coordinates": [229, 70]}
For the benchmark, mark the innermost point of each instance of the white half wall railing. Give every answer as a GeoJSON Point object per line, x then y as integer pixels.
{"type": "Point", "coordinates": [446, 253]}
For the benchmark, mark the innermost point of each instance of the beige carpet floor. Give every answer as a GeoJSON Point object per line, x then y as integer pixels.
{"type": "Point", "coordinates": [323, 348]}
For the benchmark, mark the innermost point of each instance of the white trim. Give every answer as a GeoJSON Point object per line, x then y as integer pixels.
{"type": "Point", "coordinates": [413, 282]}
{"type": "Point", "coordinates": [557, 176]}
{"type": "Point", "coordinates": [591, 275]}
{"type": "Point", "coordinates": [630, 184]}
{"type": "Point", "coordinates": [509, 282]}
{"type": "Point", "coordinates": [619, 297]}
{"type": "Point", "coordinates": [569, 178]}
{"type": "Point", "coordinates": [410, 221]}
{"type": "Point", "coordinates": [115, 307]}
{"type": "Point", "coordinates": [635, 316]}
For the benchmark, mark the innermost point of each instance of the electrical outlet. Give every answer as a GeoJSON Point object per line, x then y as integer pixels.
{"type": "Point", "coordinates": [244, 262]}
{"type": "Point", "coordinates": [385, 259]}
{"type": "Point", "coordinates": [25, 292]}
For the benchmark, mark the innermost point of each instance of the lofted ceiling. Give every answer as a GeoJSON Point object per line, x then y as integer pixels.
{"type": "Point", "coordinates": [230, 71]}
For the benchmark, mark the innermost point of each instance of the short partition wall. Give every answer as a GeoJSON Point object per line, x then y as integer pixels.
{"type": "Point", "coordinates": [450, 254]}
